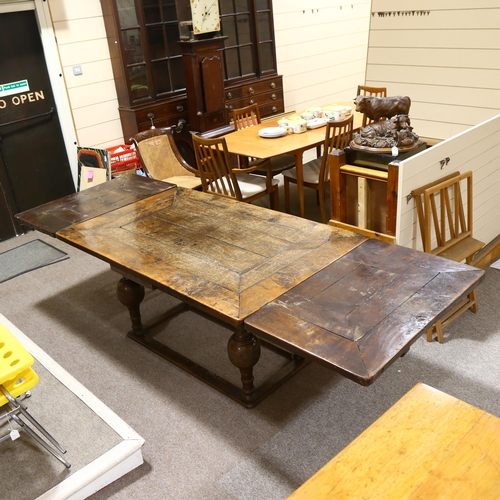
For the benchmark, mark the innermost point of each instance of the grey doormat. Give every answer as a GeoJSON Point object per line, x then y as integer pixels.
{"type": "Point", "coordinates": [28, 257]}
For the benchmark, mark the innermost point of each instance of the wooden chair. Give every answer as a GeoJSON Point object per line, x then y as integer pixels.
{"type": "Point", "coordinates": [218, 176]}
{"type": "Point", "coordinates": [316, 174]}
{"type": "Point", "coordinates": [248, 117]}
{"type": "Point", "coordinates": [446, 230]}
{"type": "Point", "coordinates": [371, 91]}
{"type": "Point", "coordinates": [161, 159]}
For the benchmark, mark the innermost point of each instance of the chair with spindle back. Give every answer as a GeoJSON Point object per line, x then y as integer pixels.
{"type": "Point", "coordinates": [248, 117]}
{"type": "Point", "coordinates": [316, 174]}
{"type": "Point", "coordinates": [373, 92]}
{"type": "Point", "coordinates": [445, 223]}
{"type": "Point", "coordinates": [218, 176]}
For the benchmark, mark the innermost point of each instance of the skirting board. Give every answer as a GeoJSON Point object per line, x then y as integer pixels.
{"type": "Point", "coordinates": [110, 466]}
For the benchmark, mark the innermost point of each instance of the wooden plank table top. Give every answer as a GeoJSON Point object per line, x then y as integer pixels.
{"type": "Point", "coordinates": [106, 197]}
{"type": "Point", "coordinates": [428, 445]}
{"type": "Point", "coordinates": [247, 142]}
{"type": "Point", "coordinates": [223, 257]}
{"type": "Point", "coordinates": [364, 310]}
{"type": "Point", "coordinates": [326, 294]}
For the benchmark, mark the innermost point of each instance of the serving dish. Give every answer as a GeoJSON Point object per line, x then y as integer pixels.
{"type": "Point", "coordinates": [316, 123]}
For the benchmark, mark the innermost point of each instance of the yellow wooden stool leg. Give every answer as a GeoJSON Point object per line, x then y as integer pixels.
{"type": "Point", "coordinates": [472, 297]}
{"type": "Point", "coordinates": [430, 331]}
{"type": "Point", "coordinates": [439, 331]}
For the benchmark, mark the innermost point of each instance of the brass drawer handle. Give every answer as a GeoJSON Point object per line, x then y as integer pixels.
{"type": "Point", "coordinates": [180, 109]}
{"type": "Point", "coordinates": [273, 85]}
{"type": "Point", "coordinates": [251, 90]}
{"type": "Point", "coordinates": [274, 109]}
{"type": "Point", "coordinates": [251, 101]}
{"type": "Point", "coordinates": [274, 97]}
{"type": "Point", "coordinates": [230, 108]}
{"type": "Point", "coordinates": [229, 95]}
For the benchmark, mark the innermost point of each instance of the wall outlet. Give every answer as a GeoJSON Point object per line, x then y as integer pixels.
{"type": "Point", "coordinates": [77, 70]}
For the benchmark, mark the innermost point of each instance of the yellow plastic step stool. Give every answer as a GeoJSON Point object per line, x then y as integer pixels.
{"type": "Point", "coordinates": [16, 378]}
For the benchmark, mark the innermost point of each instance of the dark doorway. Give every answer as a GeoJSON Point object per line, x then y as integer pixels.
{"type": "Point", "coordinates": [34, 166]}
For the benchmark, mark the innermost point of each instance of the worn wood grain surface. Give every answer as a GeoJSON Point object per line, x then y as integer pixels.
{"type": "Point", "coordinates": [364, 310]}
{"type": "Point", "coordinates": [64, 212]}
{"type": "Point", "coordinates": [224, 257]}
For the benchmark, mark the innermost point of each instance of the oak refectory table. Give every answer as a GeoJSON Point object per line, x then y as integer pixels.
{"type": "Point", "coordinates": [309, 290]}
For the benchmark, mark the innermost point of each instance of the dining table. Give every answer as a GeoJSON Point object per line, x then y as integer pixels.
{"type": "Point", "coordinates": [303, 290]}
{"type": "Point", "coordinates": [248, 143]}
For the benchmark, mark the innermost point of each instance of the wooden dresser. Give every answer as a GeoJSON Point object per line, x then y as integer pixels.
{"type": "Point", "coordinates": [267, 92]}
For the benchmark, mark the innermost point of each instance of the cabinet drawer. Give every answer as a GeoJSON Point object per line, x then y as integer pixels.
{"type": "Point", "coordinates": [264, 99]}
{"type": "Point", "coordinates": [165, 121]}
{"type": "Point", "coordinates": [162, 110]}
{"type": "Point", "coordinates": [272, 109]}
{"type": "Point", "coordinates": [272, 84]}
{"type": "Point", "coordinates": [234, 104]}
{"type": "Point", "coordinates": [234, 93]}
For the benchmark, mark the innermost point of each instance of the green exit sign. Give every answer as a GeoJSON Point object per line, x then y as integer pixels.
{"type": "Point", "coordinates": [14, 88]}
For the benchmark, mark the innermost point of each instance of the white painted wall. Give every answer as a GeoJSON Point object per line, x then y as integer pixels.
{"type": "Point", "coordinates": [321, 49]}
{"type": "Point", "coordinates": [81, 40]}
{"type": "Point", "coordinates": [476, 149]}
{"type": "Point", "coordinates": [447, 61]}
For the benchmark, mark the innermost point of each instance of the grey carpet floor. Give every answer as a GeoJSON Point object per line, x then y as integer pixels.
{"type": "Point", "coordinates": [28, 257]}
{"type": "Point", "coordinates": [199, 444]}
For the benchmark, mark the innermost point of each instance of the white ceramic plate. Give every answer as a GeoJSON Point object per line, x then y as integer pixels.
{"type": "Point", "coordinates": [271, 132]}
{"type": "Point", "coordinates": [316, 123]}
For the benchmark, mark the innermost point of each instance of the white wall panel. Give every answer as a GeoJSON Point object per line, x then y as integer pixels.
{"type": "Point", "coordinates": [386, 5]}
{"type": "Point", "coordinates": [321, 50]}
{"type": "Point", "coordinates": [433, 57]}
{"type": "Point", "coordinates": [79, 30]}
{"type": "Point", "coordinates": [476, 149]}
{"type": "Point", "coordinates": [102, 135]}
{"type": "Point", "coordinates": [87, 95]}
{"type": "Point", "coordinates": [425, 38]}
{"type": "Point", "coordinates": [83, 52]}
{"type": "Point", "coordinates": [448, 76]}
{"type": "Point", "coordinates": [447, 60]}
{"type": "Point", "coordinates": [90, 115]}
{"type": "Point", "coordinates": [461, 96]}
{"type": "Point", "coordinates": [92, 72]}
{"type": "Point", "coordinates": [469, 18]}
{"type": "Point", "coordinates": [61, 10]}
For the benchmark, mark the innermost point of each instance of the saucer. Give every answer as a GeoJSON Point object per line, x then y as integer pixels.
{"type": "Point", "coordinates": [271, 132]}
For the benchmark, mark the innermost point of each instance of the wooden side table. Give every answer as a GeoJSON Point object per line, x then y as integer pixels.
{"type": "Point", "coordinates": [351, 205]}
{"type": "Point", "coordinates": [428, 445]}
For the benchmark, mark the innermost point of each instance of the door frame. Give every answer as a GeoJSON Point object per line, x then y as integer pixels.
{"type": "Point", "coordinates": [55, 71]}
